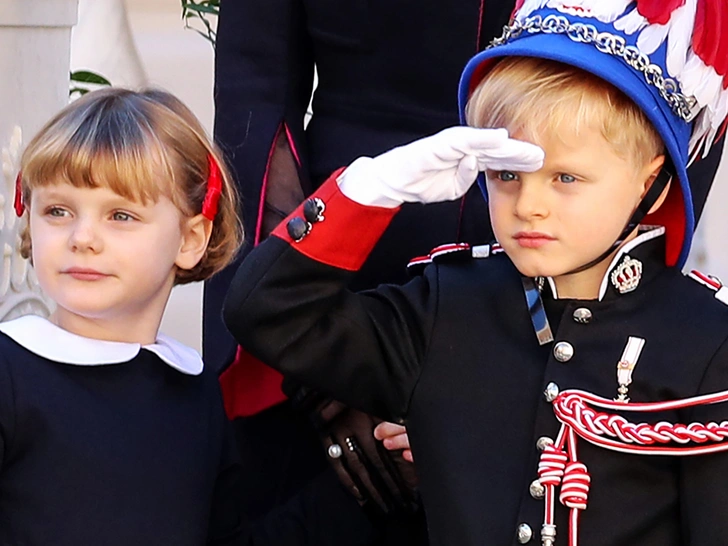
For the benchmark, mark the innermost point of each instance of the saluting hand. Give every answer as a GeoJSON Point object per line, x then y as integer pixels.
{"type": "Point", "coordinates": [437, 168]}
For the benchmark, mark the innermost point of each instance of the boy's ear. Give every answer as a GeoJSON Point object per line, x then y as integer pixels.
{"type": "Point", "coordinates": [196, 233]}
{"type": "Point", "coordinates": [649, 174]}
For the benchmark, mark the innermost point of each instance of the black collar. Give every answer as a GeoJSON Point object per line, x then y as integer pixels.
{"type": "Point", "coordinates": [648, 248]}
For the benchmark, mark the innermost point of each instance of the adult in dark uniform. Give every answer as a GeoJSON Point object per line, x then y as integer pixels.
{"type": "Point", "coordinates": [387, 72]}
{"type": "Point", "coordinates": [460, 355]}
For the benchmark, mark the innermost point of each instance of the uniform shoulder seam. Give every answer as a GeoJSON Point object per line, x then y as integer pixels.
{"type": "Point", "coordinates": [711, 282]}
{"type": "Point", "coordinates": [451, 253]}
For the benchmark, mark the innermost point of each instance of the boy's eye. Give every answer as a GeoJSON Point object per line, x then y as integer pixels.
{"type": "Point", "coordinates": [567, 178]}
{"type": "Point", "coordinates": [120, 216]}
{"type": "Point", "coordinates": [506, 176]}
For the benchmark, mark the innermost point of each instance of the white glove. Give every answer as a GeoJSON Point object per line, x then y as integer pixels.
{"type": "Point", "coordinates": [438, 168]}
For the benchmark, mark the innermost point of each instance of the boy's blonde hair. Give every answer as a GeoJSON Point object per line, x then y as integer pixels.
{"type": "Point", "coordinates": [140, 145]}
{"type": "Point", "coordinates": [532, 95]}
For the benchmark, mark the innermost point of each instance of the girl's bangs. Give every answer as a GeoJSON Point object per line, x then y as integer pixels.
{"type": "Point", "coordinates": [112, 152]}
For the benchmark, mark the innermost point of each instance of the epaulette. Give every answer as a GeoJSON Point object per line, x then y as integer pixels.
{"type": "Point", "coordinates": [450, 253]}
{"type": "Point", "coordinates": [721, 292]}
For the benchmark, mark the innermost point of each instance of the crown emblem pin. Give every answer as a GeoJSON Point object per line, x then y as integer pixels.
{"type": "Point", "coordinates": [627, 275]}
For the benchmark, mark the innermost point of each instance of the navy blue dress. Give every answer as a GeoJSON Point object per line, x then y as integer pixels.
{"type": "Point", "coordinates": [117, 444]}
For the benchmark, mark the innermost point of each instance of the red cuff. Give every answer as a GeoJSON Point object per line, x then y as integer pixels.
{"type": "Point", "coordinates": [248, 386]}
{"type": "Point", "coordinates": [346, 235]}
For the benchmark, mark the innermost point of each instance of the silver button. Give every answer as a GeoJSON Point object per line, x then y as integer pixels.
{"type": "Point", "coordinates": [537, 489]}
{"type": "Point", "coordinates": [543, 442]}
{"type": "Point", "coordinates": [563, 351]}
{"type": "Point", "coordinates": [551, 392]}
{"type": "Point", "coordinates": [335, 451]}
{"type": "Point", "coordinates": [582, 315]}
{"type": "Point", "coordinates": [524, 533]}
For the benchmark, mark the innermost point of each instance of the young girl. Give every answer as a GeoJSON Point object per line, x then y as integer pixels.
{"type": "Point", "coordinates": [111, 433]}
{"type": "Point", "coordinates": [563, 382]}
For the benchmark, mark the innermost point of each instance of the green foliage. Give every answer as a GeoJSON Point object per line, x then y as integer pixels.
{"type": "Point", "coordinates": [86, 77]}
{"type": "Point", "coordinates": [197, 13]}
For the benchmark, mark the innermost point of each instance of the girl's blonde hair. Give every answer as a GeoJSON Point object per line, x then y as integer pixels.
{"type": "Point", "coordinates": [532, 95]}
{"type": "Point", "coordinates": [139, 144]}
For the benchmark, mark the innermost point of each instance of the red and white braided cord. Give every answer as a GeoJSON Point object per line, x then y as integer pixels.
{"type": "Point", "coordinates": [559, 464]}
{"type": "Point", "coordinates": [614, 432]}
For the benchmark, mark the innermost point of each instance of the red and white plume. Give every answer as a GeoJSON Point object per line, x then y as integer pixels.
{"type": "Point", "coordinates": [696, 32]}
{"type": "Point", "coordinates": [604, 10]}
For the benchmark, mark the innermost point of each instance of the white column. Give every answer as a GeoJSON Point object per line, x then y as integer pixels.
{"type": "Point", "coordinates": [35, 38]}
{"type": "Point", "coordinates": [102, 42]}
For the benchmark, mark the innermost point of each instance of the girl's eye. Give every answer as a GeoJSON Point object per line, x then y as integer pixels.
{"type": "Point", "coordinates": [120, 216]}
{"type": "Point", "coordinates": [57, 212]}
{"type": "Point", "coordinates": [506, 176]}
{"type": "Point", "coordinates": [567, 178]}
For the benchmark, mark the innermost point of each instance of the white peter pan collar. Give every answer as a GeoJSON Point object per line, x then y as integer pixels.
{"type": "Point", "coordinates": [49, 341]}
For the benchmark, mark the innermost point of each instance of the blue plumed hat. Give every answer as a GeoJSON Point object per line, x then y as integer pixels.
{"type": "Point", "coordinates": [669, 56]}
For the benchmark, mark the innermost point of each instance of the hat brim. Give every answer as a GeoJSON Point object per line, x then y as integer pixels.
{"type": "Point", "coordinates": [676, 214]}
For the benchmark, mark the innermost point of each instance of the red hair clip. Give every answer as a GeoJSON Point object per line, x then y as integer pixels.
{"type": "Point", "coordinates": [214, 189]}
{"type": "Point", "coordinates": [19, 205]}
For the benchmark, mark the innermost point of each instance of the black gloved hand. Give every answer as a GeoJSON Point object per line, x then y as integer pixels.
{"type": "Point", "coordinates": [373, 474]}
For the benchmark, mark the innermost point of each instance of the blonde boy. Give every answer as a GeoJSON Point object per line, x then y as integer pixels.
{"type": "Point", "coordinates": [518, 367]}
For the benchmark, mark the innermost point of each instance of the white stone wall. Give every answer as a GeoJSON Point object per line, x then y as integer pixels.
{"type": "Point", "coordinates": [713, 231]}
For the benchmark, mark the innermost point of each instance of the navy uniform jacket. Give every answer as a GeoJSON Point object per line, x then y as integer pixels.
{"type": "Point", "coordinates": [453, 354]}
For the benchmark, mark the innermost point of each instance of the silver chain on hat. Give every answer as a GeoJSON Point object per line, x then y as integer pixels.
{"type": "Point", "coordinates": [606, 42]}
